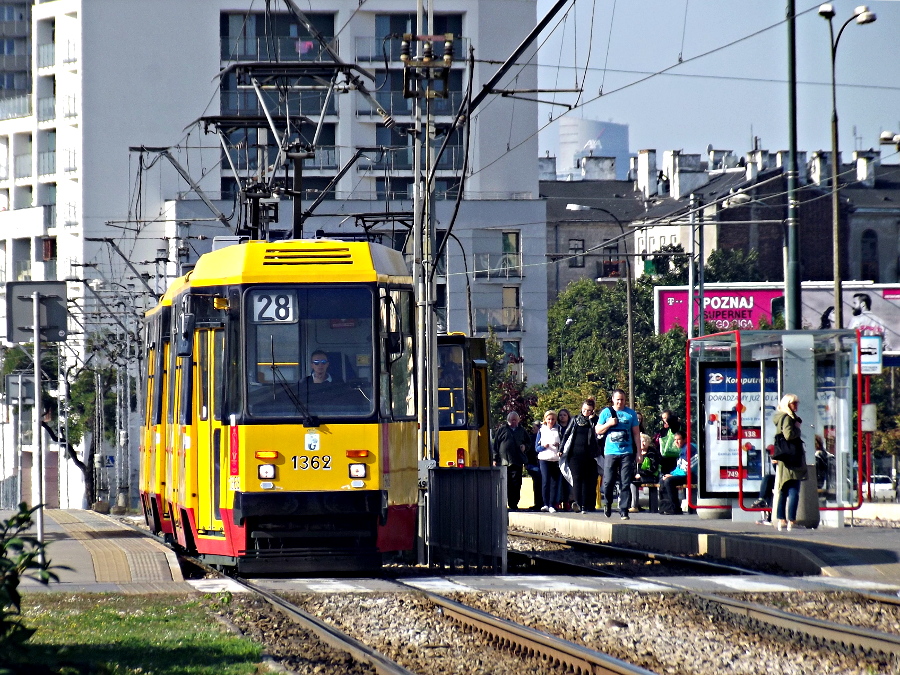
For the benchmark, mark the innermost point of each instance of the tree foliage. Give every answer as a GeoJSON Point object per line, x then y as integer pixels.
{"type": "Point", "coordinates": [594, 348]}
{"type": "Point", "coordinates": [729, 265]}
{"type": "Point", "coordinates": [507, 392]}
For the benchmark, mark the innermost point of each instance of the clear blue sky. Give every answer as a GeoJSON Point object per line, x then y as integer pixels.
{"type": "Point", "coordinates": [734, 92]}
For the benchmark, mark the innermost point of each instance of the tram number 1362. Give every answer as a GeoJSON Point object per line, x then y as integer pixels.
{"type": "Point", "coordinates": [314, 462]}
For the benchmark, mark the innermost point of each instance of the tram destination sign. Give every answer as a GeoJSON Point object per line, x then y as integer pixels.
{"type": "Point", "coordinates": [873, 308]}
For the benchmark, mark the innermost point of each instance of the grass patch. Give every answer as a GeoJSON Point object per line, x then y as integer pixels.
{"type": "Point", "coordinates": [160, 634]}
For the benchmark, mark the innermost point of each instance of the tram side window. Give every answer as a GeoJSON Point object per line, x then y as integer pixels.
{"type": "Point", "coordinates": [403, 400]}
{"type": "Point", "coordinates": [218, 386]}
{"type": "Point", "coordinates": [203, 366]}
{"type": "Point", "coordinates": [451, 391]}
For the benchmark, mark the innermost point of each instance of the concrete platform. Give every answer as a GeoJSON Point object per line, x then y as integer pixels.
{"type": "Point", "coordinates": [102, 555]}
{"type": "Point", "coordinates": [862, 553]}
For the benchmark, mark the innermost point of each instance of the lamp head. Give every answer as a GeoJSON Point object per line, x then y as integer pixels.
{"type": "Point", "coordinates": [570, 321]}
{"type": "Point", "coordinates": [577, 207]}
{"type": "Point", "coordinates": [864, 16]}
{"type": "Point", "coordinates": [826, 11]}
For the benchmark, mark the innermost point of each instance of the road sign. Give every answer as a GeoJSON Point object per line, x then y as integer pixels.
{"type": "Point", "coordinates": [20, 311]}
{"type": "Point", "coordinates": [12, 388]}
{"type": "Point", "coordinates": [869, 355]}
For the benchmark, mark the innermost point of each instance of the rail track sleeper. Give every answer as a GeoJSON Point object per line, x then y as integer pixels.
{"type": "Point", "coordinates": [575, 657]}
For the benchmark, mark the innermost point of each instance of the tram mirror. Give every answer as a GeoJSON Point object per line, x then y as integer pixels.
{"type": "Point", "coordinates": [394, 344]}
{"type": "Point", "coordinates": [186, 335]}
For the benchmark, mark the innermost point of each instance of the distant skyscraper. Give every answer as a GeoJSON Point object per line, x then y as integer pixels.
{"type": "Point", "coordinates": [582, 138]}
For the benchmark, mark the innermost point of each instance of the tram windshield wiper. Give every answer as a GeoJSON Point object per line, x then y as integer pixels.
{"type": "Point", "coordinates": [309, 420]}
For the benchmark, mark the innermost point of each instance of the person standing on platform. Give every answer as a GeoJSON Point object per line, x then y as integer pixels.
{"type": "Point", "coordinates": [509, 451]}
{"type": "Point", "coordinates": [533, 467]}
{"type": "Point", "coordinates": [791, 465]}
{"type": "Point", "coordinates": [622, 438]}
{"type": "Point", "coordinates": [564, 495]}
{"type": "Point", "coordinates": [578, 463]}
{"type": "Point", "coordinates": [549, 439]}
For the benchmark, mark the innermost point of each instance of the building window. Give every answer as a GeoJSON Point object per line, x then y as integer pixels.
{"type": "Point", "coordinates": [576, 252]}
{"type": "Point", "coordinates": [512, 318]}
{"type": "Point", "coordinates": [610, 263]}
{"type": "Point", "coordinates": [868, 256]}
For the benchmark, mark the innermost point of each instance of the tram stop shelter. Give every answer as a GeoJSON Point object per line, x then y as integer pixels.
{"type": "Point", "coordinates": [734, 382]}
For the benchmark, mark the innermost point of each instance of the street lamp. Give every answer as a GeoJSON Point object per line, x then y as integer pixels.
{"type": "Point", "coordinates": [568, 323]}
{"type": "Point", "coordinates": [630, 319]}
{"type": "Point", "coordinates": [861, 15]}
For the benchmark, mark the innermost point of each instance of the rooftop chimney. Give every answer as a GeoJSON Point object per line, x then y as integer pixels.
{"type": "Point", "coordinates": [647, 178]}
{"type": "Point", "coordinates": [598, 168]}
{"type": "Point", "coordinates": [866, 161]}
{"type": "Point", "coordinates": [685, 173]}
{"type": "Point", "coordinates": [547, 168]}
{"type": "Point", "coordinates": [820, 168]}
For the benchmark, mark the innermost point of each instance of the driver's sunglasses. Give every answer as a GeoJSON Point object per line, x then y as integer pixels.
{"type": "Point", "coordinates": [319, 362]}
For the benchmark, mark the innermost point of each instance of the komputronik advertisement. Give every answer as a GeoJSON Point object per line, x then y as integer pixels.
{"type": "Point", "coordinates": [720, 466]}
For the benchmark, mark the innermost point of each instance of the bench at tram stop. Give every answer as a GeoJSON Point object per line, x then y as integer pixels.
{"type": "Point", "coordinates": [652, 494]}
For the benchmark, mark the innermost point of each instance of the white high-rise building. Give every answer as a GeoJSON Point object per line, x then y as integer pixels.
{"type": "Point", "coordinates": [80, 204]}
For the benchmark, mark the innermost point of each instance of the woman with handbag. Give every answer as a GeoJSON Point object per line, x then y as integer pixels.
{"type": "Point", "coordinates": [790, 459]}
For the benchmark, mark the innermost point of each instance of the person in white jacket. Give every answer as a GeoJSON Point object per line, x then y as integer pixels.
{"type": "Point", "coordinates": [548, 456]}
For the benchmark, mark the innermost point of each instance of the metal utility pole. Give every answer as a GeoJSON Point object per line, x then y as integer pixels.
{"type": "Point", "coordinates": [791, 238]}
{"type": "Point", "coordinates": [37, 446]}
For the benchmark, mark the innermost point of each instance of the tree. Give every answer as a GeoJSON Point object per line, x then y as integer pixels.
{"type": "Point", "coordinates": [594, 344]}
{"type": "Point", "coordinates": [507, 393]}
{"type": "Point", "coordinates": [729, 265]}
{"type": "Point", "coordinates": [670, 269]}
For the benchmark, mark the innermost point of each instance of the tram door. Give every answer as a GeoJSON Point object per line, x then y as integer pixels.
{"type": "Point", "coordinates": [210, 431]}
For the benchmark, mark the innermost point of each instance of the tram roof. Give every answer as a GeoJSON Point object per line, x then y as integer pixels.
{"type": "Point", "coordinates": [319, 261]}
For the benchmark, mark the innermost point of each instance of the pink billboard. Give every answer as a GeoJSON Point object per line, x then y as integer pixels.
{"type": "Point", "coordinates": [872, 308]}
{"type": "Point", "coordinates": [725, 308]}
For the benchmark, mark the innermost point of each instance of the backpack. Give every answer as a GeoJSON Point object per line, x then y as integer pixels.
{"type": "Point", "coordinates": [601, 438]}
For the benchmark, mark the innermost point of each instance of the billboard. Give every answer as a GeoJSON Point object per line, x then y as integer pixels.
{"type": "Point", "coordinates": [873, 308]}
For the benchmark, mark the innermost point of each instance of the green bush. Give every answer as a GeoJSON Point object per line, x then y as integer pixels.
{"type": "Point", "coordinates": [21, 556]}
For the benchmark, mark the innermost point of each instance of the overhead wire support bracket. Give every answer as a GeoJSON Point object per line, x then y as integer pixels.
{"type": "Point", "coordinates": [164, 152]}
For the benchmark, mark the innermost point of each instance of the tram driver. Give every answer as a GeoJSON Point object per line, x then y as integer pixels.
{"type": "Point", "coordinates": [319, 370]}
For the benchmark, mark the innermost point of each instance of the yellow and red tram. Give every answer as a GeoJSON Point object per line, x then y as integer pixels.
{"type": "Point", "coordinates": [279, 430]}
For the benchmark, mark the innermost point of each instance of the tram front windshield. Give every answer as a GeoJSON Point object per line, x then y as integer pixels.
{"type": "Point", "coordinates": [309, 351]}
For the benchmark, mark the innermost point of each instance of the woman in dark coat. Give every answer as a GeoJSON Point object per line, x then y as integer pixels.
{"type": "Point", "coordinates": [578, 458]}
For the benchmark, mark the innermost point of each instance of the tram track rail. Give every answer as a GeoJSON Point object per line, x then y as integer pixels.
{"type": "Point", "coordinates": [816, 629]}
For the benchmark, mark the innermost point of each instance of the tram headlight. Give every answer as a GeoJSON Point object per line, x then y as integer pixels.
{"type": "Point", "coordinates": [266, 471]}
{"type": "Point", "coordinates": [357, 471]}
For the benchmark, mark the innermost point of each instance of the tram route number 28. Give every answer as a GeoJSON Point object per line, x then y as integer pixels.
{"type": "Point", "coordinates": [274, 307]}
{"type": "Point", "coordinates": [314, 462]}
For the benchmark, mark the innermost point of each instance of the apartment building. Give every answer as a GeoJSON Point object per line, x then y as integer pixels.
{"type": "Point", "coordinates": [104, 77]}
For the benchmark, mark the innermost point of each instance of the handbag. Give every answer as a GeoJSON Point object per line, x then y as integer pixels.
{"type": "Point", "coordinates": [785, 450]}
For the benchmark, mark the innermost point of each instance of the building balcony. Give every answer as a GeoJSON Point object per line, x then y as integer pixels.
{"type": "Point", "coordinates": [70, 107]}
{"type": "Point", "coordinates": [396, 105]}
{"type": "Point", "coordinates": [46, 162]}
{"type": "Point", "coordinates": [275, 49]}
{"type": "Point", "coordinates": [71, 163]}
{"type": "Point", "coordinates": [401, 159]}
{"type": "Point", "coordinates": [49, 215]}
{"type": "Point", "coordinates": [14, 29]}
{"type": "Point", "coordinates": [22, 166]}
{"type": "Point", "coordinates": [46, 109]}
{"type": "Point", "coordinates": [71, 56]}
{"type": "Point", "coordinates": [498, 265]}
{"type": "Point", "coordinates": [304, 103]}
{"type": "Point", "coordinates": [505, 319]}
{"type": "Point", "coordinates": [16, 106]}
{"type": "Point", "coordinates": [46, 56]}
{"type": "Point", "coordinates": [375, 49]}
{"type": "Point", "coordinates": [326, 159]}
{"type": "Point", "coordinates": [15, 62]}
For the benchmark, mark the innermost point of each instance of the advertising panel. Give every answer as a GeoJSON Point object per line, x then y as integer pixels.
{"type": "Point", "coordinates": [873, 308]}
{"type": "Point", "coordinates": [720, 442]}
